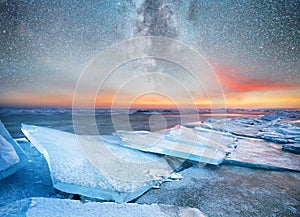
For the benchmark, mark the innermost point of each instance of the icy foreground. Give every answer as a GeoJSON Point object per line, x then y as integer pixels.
{"type": "Point", "coordinates": [206, 146]}
{"type": "Point", "coordinates": [225, 190]}
{"type": "Point", "coordinates": [50, 207]}
{"type": "Point", "coordinates": [105, 171]}
{"type": "Point", "coordinates": [232, 191]}
{"type": "Point", "coordinates": [12, 157]}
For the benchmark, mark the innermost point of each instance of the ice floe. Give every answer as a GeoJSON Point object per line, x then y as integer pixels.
{"type": "Point", "coordinates": [261, 154]}
{"type": "Point", "coordinates": [271, 127]}
{"type": "Point", "coordinates": [8, 155]}
{"type": "Point", "coordinates": [269, 117]}
{"type": "Point", "coordinates": [97, 167]}
{"type": "Point", "coordinates": [294, 148]}
{"type": "Point", "coordinates": [51, 207]}
{"type": "Point", "coordinates": [201, 145]}
{"type": "Point", "coordinates": [12, 157]}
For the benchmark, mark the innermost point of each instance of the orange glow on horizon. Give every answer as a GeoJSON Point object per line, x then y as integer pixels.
{"type": "Point", "coordinates": [240, 91]}
{"type": "Point", "coordinates": [36, 100]}
{"type": "Point", "coordinates": [271, 99]}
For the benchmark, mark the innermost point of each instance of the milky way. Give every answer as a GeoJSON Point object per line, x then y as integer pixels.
{"type": "Point", "coordinates": [46, 44]}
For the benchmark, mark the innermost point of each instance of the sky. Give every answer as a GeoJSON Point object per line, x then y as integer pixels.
{"type": "Point", "coordinates": [252, 48]}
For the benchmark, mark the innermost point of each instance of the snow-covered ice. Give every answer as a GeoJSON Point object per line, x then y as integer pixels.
{"type": "Point", "coordinates": [261, 154]}
{"type": "Point", "coordinates": [12, 157]}
{"type": "Point", "coordinates": [110, 172]}
{"type": "Point", "coordinates": [201, 145]}
{"type": "Point", "coordinates": [50, 207]}
{"type": "Point", "coordinates": [229, 190]}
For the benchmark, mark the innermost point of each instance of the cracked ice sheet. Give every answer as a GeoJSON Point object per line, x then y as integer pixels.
{"type": "Point", "coordinates": [12, 157]}
{"type": "Point", "coordinates": [198, 137]}
{"type": "Point", "coordinates": [111, 172]}
{"type": "Point", "coordinates": [50, 207]}
{"type": "Point", "coordinates": [279, 130]}
{"type": "Point", "coordinates": [244, 126]}
{"type": "Point", "coordinates": [178, 142]}
{"type": "Point", "coordinates": [260, 154]}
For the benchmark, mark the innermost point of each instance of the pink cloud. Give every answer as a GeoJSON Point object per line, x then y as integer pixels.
{"type": "Point", "coordinates": [233, 79]}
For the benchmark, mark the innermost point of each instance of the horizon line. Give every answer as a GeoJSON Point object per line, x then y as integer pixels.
{"type": "Point", "coordinates": [144, 108]}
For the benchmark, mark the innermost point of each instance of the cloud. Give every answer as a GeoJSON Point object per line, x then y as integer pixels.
{"type": "Point", "coordinates": [234, 80]}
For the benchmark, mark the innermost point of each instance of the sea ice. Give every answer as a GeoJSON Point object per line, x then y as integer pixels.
{"type": "Point", "coordinates": [50, 207]}
{"type": "Point", "coordinates": [225, 141]}
{"type": "Point", "coordinates": [104, 170]}
{"type": "Point", "coordinates": [8, 155]}
{"type": "Point", "coordinates": [294, 148]}
{"type": "Point", "coordinates": [201, 146]}
{"type": "Point", "coordinates": [284, 130]}
{"type": "Point", "coordinates": [241, 126]}
{"type": "Point", "coordinates": [269, 117]}
{"type": "Point", "coordinates": [261, 154]}
{"type": "Point", "coordinates": [12, 157]}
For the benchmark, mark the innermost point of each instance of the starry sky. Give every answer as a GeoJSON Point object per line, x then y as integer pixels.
{"type": "Point", "coordinates": [253, 47]}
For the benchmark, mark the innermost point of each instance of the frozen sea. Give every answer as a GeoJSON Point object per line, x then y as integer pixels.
{"type": "Point", "coordinates": [224, 190]}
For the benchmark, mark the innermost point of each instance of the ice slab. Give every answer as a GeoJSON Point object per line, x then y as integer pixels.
{"type": "Point", "coordinates": [269, 117]}
{"type": "Point", "coordinates": [294, 148]}
{"type": "Point", "coordinates": [178, 142]}
{"type": "Point", "coordinates": [261, 154]}
{"type": "Point", "coordinates": [12, 157]}
{"type": "Point", "coordinates": [50, 207]}
{"type": "Point", "coordinates": [225, 141]}
{"type": "Point", "coordinates": [8, 155]}
{"type": "Point", "coordinates": [97, 167]}
{"type": "Point", "coordinates": [242, 126]}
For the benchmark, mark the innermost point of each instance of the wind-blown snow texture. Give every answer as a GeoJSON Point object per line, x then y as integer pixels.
{"type": "Point", "coordinates": [50, 207]}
